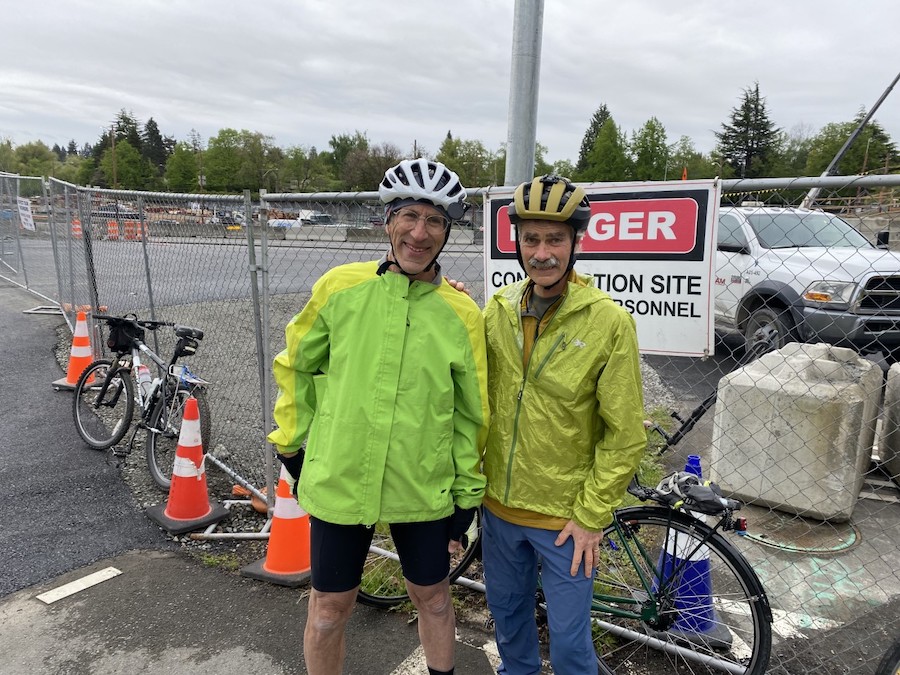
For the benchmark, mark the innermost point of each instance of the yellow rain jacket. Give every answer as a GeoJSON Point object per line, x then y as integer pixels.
{"type": "Point", "coordinates": [567, 428]}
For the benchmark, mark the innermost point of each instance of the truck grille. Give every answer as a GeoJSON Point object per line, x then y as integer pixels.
{"type": "Point", "coordinates": [881, 294]}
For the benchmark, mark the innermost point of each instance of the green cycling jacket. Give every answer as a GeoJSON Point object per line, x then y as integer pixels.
{"type": "Point", "coordinates": [567, 428]}
{"type": "Point", "coordinates": [387, 382]}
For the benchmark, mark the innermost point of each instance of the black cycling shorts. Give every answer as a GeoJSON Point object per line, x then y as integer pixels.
{"type": "Point", "coordinates": [338, 552]}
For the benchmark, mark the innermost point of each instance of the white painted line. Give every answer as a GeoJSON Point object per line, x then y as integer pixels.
{"type": "Point", "coordinates": [73, 587]}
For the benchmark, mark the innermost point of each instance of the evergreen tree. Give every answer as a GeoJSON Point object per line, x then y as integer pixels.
{"type": "Point", "coordinates": [748, 144]}
{"type": "Point", "coordinates": [608, 159]}
{"type": "Point", "coordinates": [127, 129]}
{"type": "Point", "coordinates": [153, 147]}
{"type": "Point", "coordinates": [590, 136]}
{"type": "Point", "coordinates": [72, 148]}
{"type": "Point", "coordinates": [59, 152]}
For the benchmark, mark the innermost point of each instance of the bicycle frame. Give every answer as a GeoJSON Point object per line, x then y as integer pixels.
{"type": "Point", "coordinates": [658, 587]}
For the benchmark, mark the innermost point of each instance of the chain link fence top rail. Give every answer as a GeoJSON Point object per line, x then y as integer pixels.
{"type": "Point", "coordinates": [241, 271]}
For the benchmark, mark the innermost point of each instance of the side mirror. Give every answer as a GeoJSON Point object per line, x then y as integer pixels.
{"type": "Point", "coordinates": [881, 239]}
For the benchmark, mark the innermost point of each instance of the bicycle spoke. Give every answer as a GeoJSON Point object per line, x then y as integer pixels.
{"type": "Point", "coordinates": [665, 600]}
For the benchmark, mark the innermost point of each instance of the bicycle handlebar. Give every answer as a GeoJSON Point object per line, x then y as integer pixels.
{"type": "Point", "coordinates": [132, 319]}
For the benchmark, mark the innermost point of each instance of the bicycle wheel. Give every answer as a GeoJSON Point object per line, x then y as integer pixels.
{"type": "Point", "coordinates": [165, 427]}
{"type": "Point", "coordinates": [103, 411]}
{"type": "Point", "coordinates": [663, 604]}
{"type": "Point", "coordinates": [890, 662]}
{"type": "Point", "coordinates": [382, 583]}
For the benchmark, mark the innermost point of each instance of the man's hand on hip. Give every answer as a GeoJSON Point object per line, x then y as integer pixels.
{"type": "Point", "coordinates": [587, 547]}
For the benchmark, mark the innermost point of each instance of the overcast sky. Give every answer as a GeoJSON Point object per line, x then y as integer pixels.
{"type": "Point", "coordinates": [407, 72]}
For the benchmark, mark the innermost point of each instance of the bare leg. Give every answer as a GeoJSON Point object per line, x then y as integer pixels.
{"type": "Point", "coordinates": [323, 639]}
{"type": "Point", "coordinates": [437, 623]}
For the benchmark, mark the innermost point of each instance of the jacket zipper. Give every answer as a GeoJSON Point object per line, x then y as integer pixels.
{"type": "Point", "coordinates": [521, 393]}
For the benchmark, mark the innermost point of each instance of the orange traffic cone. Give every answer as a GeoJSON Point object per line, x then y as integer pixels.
{"type": "Point", "coordinates": [188, 507]}
{"type": "Point", "coordinates": [287, 560]}
{"type": "Point", "coordinates": [80, 356]}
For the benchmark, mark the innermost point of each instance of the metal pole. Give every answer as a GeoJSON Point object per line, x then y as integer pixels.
{"type": "Point", "coordinates": [51, 225]}
{"type": "Point", "coordinates": [812, 194]}
{"type": "Point", "coordinates": [267, 360]}
{"type": "Point", "coordinates": [17, 225]}
{"type": "Point", "coordinates": [523, 91]}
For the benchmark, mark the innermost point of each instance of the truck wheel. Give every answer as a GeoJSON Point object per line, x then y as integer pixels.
{"type": "Point", "coordinates": [771, 324]}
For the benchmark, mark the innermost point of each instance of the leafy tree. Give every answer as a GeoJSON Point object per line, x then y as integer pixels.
{"type": "Point", "coordinates": [749, 142]}
{"type": "Point", "coordinates": [608, 159]}
{"type": "Point", "coordinates": [600, 116]}
{"type": "Point", "coordinates": [123, 167]}
{"type": "Point", "coordinates": [650, 151]}
{"type": "Point", "coordinates": [364, 167]}
{"type": "Point", "coordinates": [793, 152]}
{"type": "Point", "coordinates": [565, 168]}
{"type": "Point", "coordinates": [870, 150]}
{"type": "Point", "coordinates": [71, 170]}
{"type": "Point", "coordinates": [307, 170]}
{"type": "Point", "coordinates": [474, 163]}
{"type": "Point", "coordinates": [36, 159]}
{"type": "Point", "coordinates": [341, 147]}
{"type": "Point", "coordinates": [7, 156]}
{"type": "Point", "coordinates": [222, 161]}
{"type": "Point", "coordinates": [683, 155]}
{"type": "Point", "coordinates": [182, 174]}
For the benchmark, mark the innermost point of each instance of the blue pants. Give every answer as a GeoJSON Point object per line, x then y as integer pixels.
{"type": "Point", "coordinates": [511, 554]}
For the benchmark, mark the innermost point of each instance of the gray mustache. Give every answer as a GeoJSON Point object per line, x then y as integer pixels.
{"type": "Point", "coordinates": [548, 264]}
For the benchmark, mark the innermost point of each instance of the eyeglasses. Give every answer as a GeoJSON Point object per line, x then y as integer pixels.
{"type": "Point", "coordinates": [433, 222]}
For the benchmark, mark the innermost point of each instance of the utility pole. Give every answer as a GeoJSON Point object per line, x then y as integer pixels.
{"type": "Point", "coordinates": [523, 90]}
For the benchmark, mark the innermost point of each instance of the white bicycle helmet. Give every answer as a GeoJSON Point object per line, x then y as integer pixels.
{"type": "Point", "coordinates": [422, 179]}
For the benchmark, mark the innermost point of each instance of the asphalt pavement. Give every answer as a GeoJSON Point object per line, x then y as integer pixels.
{"type": "Point", "coordinates": [65, 513]}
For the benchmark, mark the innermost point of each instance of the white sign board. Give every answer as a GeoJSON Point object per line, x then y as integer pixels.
{"type": "Point", "coordinates": [25, 216]}
{"type": "Point", "coordinates": [651, 246]}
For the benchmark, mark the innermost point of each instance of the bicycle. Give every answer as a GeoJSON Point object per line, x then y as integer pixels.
{"type": "Point", "coordinates": [109, 389]}
{"type": "Point", "coordinates": [670, 589]}
{"type": "Point", "coordinates": [890, 662]}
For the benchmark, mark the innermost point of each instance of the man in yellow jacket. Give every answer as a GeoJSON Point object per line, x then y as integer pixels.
{"type": "Point", "coordinates": [566, 432]}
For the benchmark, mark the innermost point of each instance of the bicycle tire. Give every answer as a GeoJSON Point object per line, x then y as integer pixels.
{"type": "Point", "coordinates": [161, 447]}
{"type": "Point", "coordinates": [103, 423]}
{"type": "Point", "coordinates": [382, 584]}
{"type": "Point", "coordinates": [890, 662]}
{"type": "Point", "coordinates": [719, 619]}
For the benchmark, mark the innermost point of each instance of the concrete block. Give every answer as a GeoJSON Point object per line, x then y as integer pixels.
{"type": "Point", "coordinates": [889, 440]}
{"type": "Point", "coordinates": [794, 430]}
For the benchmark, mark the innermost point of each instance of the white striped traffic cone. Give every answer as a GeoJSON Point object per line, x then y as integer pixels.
{"type": "Point", "coordinates": [287, 560]}
{"type": "Point", "coordinates": [188, 507]}
{"type": "Point", "coordinates": [80, 356]}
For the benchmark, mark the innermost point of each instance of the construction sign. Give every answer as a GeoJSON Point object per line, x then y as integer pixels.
{"type": "Point", "coordinates": [650, 246]}
{"type": "Point", "coordinates": [25, 216]}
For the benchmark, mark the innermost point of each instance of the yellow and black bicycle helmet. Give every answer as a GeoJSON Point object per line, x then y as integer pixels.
{"type": "Point", "coordinates": [553, 198]}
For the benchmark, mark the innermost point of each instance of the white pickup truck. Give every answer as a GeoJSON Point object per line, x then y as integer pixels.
{"type": "Point", "coordinates": [802, 275]}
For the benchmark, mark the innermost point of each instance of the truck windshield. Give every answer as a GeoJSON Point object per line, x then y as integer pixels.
{"type": "Point", "coordinates": [798, 230]}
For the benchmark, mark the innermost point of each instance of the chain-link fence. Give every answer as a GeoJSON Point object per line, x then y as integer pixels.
{"type": "Point", "coordinates": [805, 435]}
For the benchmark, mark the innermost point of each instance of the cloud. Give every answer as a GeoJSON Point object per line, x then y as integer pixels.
{"type": "Point", "coordinates": [407, 72]}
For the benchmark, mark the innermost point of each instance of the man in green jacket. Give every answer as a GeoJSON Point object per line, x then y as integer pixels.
{"type": "Point", "coordinates": [566, 432]}
{"type": "Point", "coordinates": [385, 378]}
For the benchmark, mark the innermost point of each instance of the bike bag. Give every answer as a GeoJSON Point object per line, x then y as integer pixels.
{"type": "Point", "coordinates": [122, 336]}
